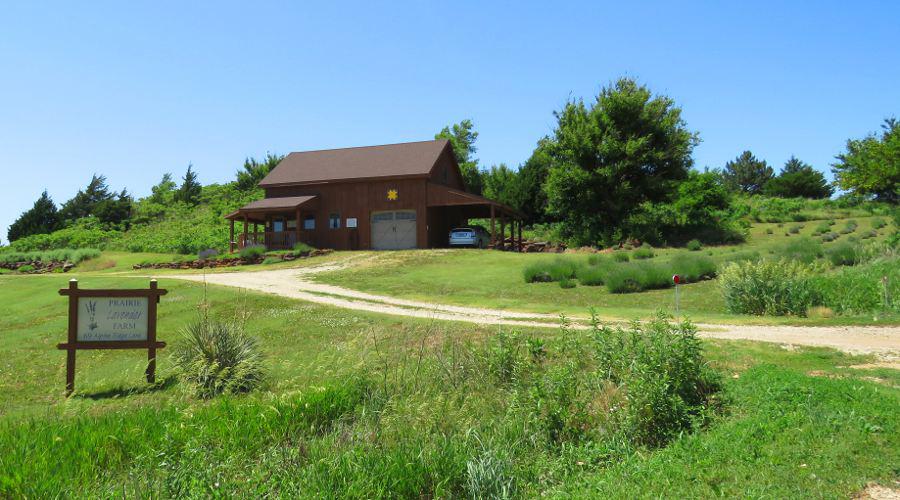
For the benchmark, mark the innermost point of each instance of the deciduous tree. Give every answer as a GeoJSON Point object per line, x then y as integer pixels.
{"type": "Point", "coordinates": [462, 137]}
{"type": "Point", "coordinates": [629, 147]}
{"type": "Point", "coordinates": [871, 166]}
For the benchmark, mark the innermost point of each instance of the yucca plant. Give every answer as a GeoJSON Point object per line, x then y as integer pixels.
{"type": "Point", "coordinates": [217, 357]}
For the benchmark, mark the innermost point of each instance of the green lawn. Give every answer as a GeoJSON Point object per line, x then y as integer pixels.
{"type": "Point", "coordinates": [493, 279]}
{"type": "Point", "coordinates": [365, 406]}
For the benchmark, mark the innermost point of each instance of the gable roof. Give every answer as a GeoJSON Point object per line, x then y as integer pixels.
{"type": "Point", "coordinates": [408, 159]}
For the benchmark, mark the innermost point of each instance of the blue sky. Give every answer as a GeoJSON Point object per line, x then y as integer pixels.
{"type": "Point", "coordinates": [135, 90]}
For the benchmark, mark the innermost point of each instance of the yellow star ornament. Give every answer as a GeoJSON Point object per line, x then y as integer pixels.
{"type": "Point", "coordinates": [392, 194]}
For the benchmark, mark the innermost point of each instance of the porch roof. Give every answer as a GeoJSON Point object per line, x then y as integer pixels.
{"type": "Point", "coordinates": [271, 205]}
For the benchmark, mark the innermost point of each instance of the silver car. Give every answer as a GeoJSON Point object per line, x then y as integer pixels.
{"type": "Point", "coordinates": [474, 236]}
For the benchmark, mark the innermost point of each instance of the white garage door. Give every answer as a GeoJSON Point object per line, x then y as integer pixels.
{"type": "Point", "coordinates": [395, 230]}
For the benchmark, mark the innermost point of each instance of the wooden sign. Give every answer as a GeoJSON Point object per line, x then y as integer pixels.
{"type": "Point", "coordinates": [111, 319]}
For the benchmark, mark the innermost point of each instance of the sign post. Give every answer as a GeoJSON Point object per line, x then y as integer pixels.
{"type": "Point", "coordinates": [677, 280]}
{"type": "Point", "coordinates": [111, 319]}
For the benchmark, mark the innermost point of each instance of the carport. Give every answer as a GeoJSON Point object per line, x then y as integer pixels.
{"type": "Point", "coordinates": [449, 208]}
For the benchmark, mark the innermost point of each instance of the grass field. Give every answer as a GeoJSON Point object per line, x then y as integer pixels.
{"type": "Point", "coordinates": [368, 406]}
{"type": "Point", "coordinates": [494, 279]}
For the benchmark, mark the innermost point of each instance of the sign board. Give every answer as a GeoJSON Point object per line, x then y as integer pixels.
{"type": "Point", "coordinates": [111, 319]}
{"type": "Point", "coordinates": [351, 222]}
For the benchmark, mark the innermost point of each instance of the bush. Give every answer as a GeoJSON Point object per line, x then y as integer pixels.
{"type": "Point", "coordinates": [878, 223]}
{"type": "Point", "coordinates": [302, 250]}
{"type": "Point", "coordinates": [555, 270]}
{"type": "Point", "coordinates": [869, 234]}
{"type": "Point", "coordinates": [271, 260]}
{"type": "Point", "coordinates": [862, 289]}
{"type": "Point", "coordinates": [644, 252]}
{"type": "Point", "coordinates": [795, 229]}
{"type": "Point", "coordinates": [743, 256]}
{"type": "Point", "coordinates": [216, 358]}
{"type": "Point", "coordinates": [695, 245]}
{"type": "Point", "coordinates": [636, 277]}
{"type": "Point", "coordinates": [208, 254]}
{"type": "Point", "coordinates": [567, 283]}
{"type": "Point", "coordinates": [769, 230]}
{"type": "Point", "coordinates": [621, 256]}
{"type": "Point", "coordinates": [849, 227]}
{"type": "Point", "coordinates": [252, 252]}
{"type": "Point", "coordinates": [71, 255]}
{"type": "Point", "coordinates": [692, 268]}
{"type": "Point", "coordinates": [27, 268]}
{"type": "Point", "coordinates": [843, 254]}
{"type": "Point", "coordinates": [829, 237]}
{"type": "Point", "coordinates": [767, 288]}
{"type": "Point", "coordinates": [805, 250]}
{"type": "Point", "coordinates": [668, 385]}
{"type": "Point", "coordinates": [591, 275]}
{"type": "Point", "coordinates": [822, 229]}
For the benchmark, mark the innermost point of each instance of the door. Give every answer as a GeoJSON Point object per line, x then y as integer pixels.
{"type": "Point", "coordinates": [394, 230]}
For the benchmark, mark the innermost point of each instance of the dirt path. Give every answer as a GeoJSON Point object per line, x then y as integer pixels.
{"type": "Point", "coordinates": [295, 283]}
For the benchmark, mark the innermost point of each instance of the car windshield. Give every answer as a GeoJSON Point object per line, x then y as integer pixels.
{"type": "Point", "coordinates": [462, 230]}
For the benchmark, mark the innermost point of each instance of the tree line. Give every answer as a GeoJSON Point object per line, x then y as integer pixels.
{"type": "Point", "coordinates": [621, 167]}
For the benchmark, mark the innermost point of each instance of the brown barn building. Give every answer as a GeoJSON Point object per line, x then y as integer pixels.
{"type": "Point", "coordinates": [389, 197]}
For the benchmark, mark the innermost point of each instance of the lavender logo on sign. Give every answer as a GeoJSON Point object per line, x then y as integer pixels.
{"type": "Point", "coordinates": [91, 308]}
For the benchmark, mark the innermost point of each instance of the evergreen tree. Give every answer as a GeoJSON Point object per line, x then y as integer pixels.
{"type": "Point", "coordinates": [255, 171]}
{"type": "Point", "coordinates": [798, 180]}
{"type": "Point", "coordinates": [462, 137]}
{"type": "Point", "coordinates": [42, 218]}
{"type": "Point", "coordinates": [190, 189]}
{"type": "Point", "coordinates": [747, 174]}
{"type": "Point", "coordinates": [115, 211]}
{"type": "Point", "coordinates": [84, 201]}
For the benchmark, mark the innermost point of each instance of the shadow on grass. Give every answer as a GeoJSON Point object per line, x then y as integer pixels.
{"type": "Point", "coordinates": [121, 392]}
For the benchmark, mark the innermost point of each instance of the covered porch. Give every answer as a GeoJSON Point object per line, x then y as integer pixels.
{"type": "Point", "coordinates": [281, 220]}
{"type": "Point", "coordinates": [449, 208]}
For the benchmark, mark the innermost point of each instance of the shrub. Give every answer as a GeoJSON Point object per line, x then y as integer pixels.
{"type": "Point", "coordinates": [869, 234]}
{"type": "Point", "coordinates": [208, 254]}
{"type": "Point", "coordinates": [743, 256]}
{"type": "Point", "coordinates": [805, 250]}
{"type": "Point", "coordinates": [830, 222]}
{"type": "Point", "coordinates": [668, 385]}
{"type": "Point", "coordinates": [843, 254]}
{"type": "Point", "coordinates": [770, 288]}
{"type": "Point", "coordinates": [829, 237]}
{"type": "Point", "coordinates": [567, 283]}
{"type": "Point", "coordinates": [301, 249]}
{"type": "Point", "coordinates": [878, 223]}
{"type": "Point", "coordinates": [621, 256]}
{"type": "Point", "coordinates": [695, 245]}
{"type": "Point", "coordinates": [636, 277]}
{"type": "Point", "coordinates": [555, 270]}
{"type": "Point", "coordinates": [862, 289]}
{"type": "Point", "coordinates": [821, 229]}
{"type": "Point", "coordinates": [591, 275]}
{"type": "Point", "coordinates": [252, 252]}
{"type": "Point", "coordinates": [74, 256]}
{"type": "Point", "coordinates": [769, 230]}
{"type": "Point", "coordinates": [216, 358]}
{"type": "Point", "coordinates": [644, 252]}
{"type": "Point", "coordinates": [795, 229]}
{"type": "Point", "coordinates": [849, 227]}
{"type": "Point", "coordinates": [271, 260]}
{"type": "Point", "coordinates": [27, 268]}
{"type": "Point", "coordinates": [692, 268]}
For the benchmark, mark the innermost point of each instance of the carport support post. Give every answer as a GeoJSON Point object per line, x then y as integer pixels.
{"type": "Point", "coordinates": [244, 237]}
{"type": "Point", "coordinates": [493, 234]}
{"type": "Point", "coordinates": [231, 238]}
{"type": "Point", "coordinates": [502, 232]}
{"type": "Point", "coordinates": [297, 227]}
{"type": "Point", "coordinates": [520, 235]}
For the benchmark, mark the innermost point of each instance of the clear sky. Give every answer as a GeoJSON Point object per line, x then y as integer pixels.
{"type": "Point", "coordinates": [135, 90]}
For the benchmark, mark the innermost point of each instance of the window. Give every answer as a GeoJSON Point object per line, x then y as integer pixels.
{"type": "Point", "coordinates": [277, 226]}
{"type": "Point", "coordinates": [309, 222]}
{"type": "Point", "coordinates": [292, 224]}
{"type": "Point", "coordinates": [352, 222]}
{"type": "Point", "coordinates": [334, 221]}
{"type": "Point", "coordinates": [384, 216]}
{"type": "Point", "coordinates": [411, 215]}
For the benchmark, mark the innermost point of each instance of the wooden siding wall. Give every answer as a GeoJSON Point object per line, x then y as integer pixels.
{"type": "Point", "coordinates": [446, 163]}
{"type": "Point", "coordinates": [359, 200]}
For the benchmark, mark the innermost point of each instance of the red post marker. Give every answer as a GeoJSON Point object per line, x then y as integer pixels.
{"type": "Point", "coordinates": [676, 279]}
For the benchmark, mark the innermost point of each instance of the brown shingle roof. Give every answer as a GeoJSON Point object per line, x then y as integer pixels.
{"type": "Point", "coordinates": [391, 160]}
{"type": "Point", "coordinates": [285, 203]}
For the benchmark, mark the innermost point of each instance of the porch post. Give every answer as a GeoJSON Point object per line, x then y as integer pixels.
{"type": "Point", "coordinates": [231, 238]}
{"type": "Point", "coordinates": [244, 237]}
{"type": "Point", "coordinates": [493, 233]}
{"type": "Point", "coordinates": [297, 228]}
{"type": "Point", "coordinates": [502, 231]}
